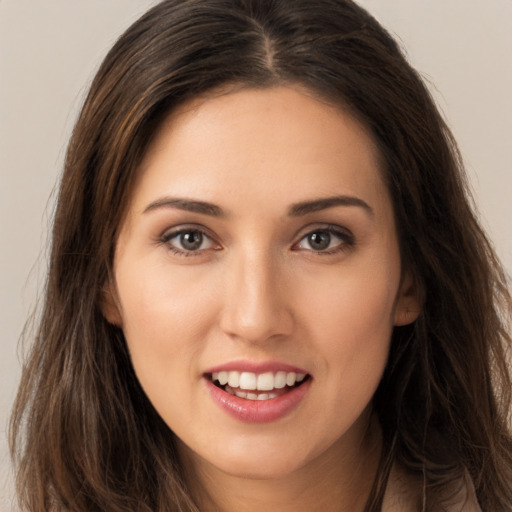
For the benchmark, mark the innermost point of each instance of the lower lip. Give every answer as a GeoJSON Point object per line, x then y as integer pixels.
{"type": "Point", "coordinates": [258, 411]}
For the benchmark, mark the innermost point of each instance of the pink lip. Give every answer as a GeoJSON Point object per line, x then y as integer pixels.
{"type": "Point", "coordinates": [257, 411]}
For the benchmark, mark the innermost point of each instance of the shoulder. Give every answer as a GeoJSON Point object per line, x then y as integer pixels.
{"type": "Point", "coordinates": [404, 493]}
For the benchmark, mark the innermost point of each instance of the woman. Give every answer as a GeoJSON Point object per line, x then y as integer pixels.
{"type": "Point", "coordinates": [267, 288]}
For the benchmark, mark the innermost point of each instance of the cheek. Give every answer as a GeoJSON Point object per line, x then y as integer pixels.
{"type": "Point", "coordinates": [165, 322]}
{"type": "Point", "coordinates": [165, 316]}
{"type": "Point", "coordinates": [351, 319]}
{"type": "Point", "coordinates": [155, 296]}
{"type": "Point", "coordinates": [358, 297]}
{"type": "Point", "coordinates": [355, 328]}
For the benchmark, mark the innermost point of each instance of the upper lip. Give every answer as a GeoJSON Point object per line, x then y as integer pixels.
{"type": "Point", "coordinates": [256, 367]}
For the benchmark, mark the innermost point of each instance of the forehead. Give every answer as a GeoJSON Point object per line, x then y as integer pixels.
{"type": "Point", "coordinates": [276, 144]}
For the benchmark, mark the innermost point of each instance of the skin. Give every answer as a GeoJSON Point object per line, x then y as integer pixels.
{"type": "Point", "coordinates": [257, 290]}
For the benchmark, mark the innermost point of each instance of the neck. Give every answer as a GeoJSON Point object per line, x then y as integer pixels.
{"type": "Point", "coordinates": [339, 480]}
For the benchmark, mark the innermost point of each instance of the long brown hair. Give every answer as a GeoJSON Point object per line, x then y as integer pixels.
{"type": "Point", "coordinates": [83, 434]}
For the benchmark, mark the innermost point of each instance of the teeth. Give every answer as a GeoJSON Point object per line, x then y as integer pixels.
{"type": "Point", "coordinates": [290, 378]}
{"type": "Point", "coordinates": [280, 380]}
{"type": "Point", "coordinates": [251, 381]}
{"type": "Point", "coordinates": [251, 396]}
{"type": "Point", "coordinates": [247, 380]}
{"type": "Point", "coordinates": [240, 394]}
{"type": "Point", "coordinates": [265, 382]}
{"type": "Point", "coordinates": [234, 379]}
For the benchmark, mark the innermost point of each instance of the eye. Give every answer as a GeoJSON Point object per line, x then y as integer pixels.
{"type": "Point", "coordinates": [188, 241]}
{"type": "Point", "coordinates": [326, 240]}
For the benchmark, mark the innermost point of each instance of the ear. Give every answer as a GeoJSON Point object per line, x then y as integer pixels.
{"type": "Point", "coordinates": [408, 302]}
{"type": "Point", "coordinates": [109, 305]}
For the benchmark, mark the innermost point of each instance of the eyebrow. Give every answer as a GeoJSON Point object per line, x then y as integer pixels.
{"type": "Point", "coordinates": [187, 205]}
{"type": "Point", "coordinates": [296, 210]}
{"type": "Point", "coordinates": [303, 208]}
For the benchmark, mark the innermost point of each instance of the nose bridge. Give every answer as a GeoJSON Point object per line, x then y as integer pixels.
{"type": "Point", "coordinates": [255, 309]}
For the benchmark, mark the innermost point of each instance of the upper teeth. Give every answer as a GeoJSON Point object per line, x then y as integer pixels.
{"type": "Point", "coordinates": [261, 382]}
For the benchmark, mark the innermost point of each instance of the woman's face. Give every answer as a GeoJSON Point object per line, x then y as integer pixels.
{"type": "Point", "coordinates": [260, 249]}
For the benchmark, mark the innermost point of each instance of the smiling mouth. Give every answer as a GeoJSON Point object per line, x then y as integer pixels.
{"type": "Point", "coordinates": [253, 386]}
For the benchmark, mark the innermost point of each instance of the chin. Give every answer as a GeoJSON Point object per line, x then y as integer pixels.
{"type": "Point", "coordinates": [259, 461]}
{"type": "Point", "coordinates": [269, 469]}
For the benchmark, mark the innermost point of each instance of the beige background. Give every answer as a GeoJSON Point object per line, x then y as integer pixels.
{"type": "Point", "coordinates": [49, 50]}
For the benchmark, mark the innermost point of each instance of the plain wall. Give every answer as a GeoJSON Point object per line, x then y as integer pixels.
{"type": "Point", "coordinates": [50, 49]}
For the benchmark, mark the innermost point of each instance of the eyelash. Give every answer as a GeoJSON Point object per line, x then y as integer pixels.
{"type": "Point", "coordinates": [167, 237]}
{"type": "Point", "coordinates": [347, 240]}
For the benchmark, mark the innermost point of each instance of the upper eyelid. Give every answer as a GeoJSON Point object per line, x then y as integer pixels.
{"type": "Point", "coordinates": [332, 228]}
{"type": "Point", "coordinates": [183, 228]}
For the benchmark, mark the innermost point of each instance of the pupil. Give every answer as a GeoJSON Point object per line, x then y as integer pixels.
{"type": "Point", "coordinates": [320, 240]}
{"type": "Point", "coordinates": [191, 240]}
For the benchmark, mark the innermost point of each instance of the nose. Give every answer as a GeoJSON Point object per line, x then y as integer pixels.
{"type": "Point", "coordinates": [256, 309]}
